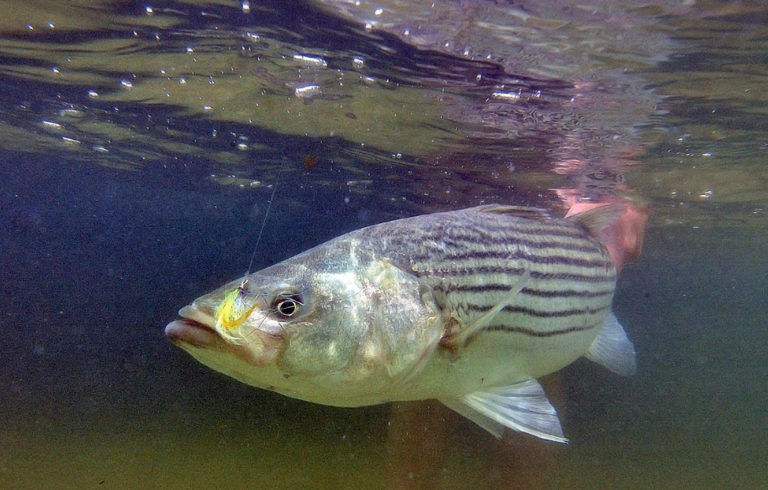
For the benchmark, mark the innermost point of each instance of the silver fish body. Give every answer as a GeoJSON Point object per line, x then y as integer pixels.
{"type": "Point", "coordinates": [467, 307]}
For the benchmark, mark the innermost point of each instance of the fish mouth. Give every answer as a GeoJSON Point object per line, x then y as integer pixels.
{"type": "Point", "coordinates": [195, 333]}
{"type": "Point", "coordinates": [193, 328]}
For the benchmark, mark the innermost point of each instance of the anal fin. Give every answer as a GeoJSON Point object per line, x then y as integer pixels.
{"type": "Point", "coordinates": [522, 406]}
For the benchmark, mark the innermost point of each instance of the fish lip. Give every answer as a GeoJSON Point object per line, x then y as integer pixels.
{"type": "Point", "coordinates": [195, 327]}
{"type": "Point", "coordinates": [198, 314]}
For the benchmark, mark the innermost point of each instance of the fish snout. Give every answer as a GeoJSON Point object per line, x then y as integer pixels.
{"type": "Point", "coordinates": [195, 327]}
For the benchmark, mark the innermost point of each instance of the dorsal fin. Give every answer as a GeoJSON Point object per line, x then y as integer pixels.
{"type": "Point", "coordinates": [518, 211]}
{"type": "Point", "coordinates": [596, 220]}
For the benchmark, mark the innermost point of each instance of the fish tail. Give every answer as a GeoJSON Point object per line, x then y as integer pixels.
{"type": "Point", "coordinates": [619, 226]}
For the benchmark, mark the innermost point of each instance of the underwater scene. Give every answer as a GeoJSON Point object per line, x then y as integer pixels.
{"type": "Point", "coordinates": [158, 159]}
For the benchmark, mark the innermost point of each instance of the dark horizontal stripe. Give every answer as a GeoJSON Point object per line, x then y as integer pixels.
{"type": "Point", "coordinates": [564, 293]}
{"type": "Point", "coordinates": [510, 230]}
{"type": "Point", "coordinates": [517, 271]}
{"type": "Point", "coordinates": [533, 333]}
{"type": "Point", "coordinates": [567, 276]}
{"type": "Point", "coordinates": [541, 293]}
{"type": "Point", "coordinates": [531, 239]}
{"type": "Point", "coordinates": [473, 271]}
{"type": "Point", "coordinates": [539, 313]}
{"type": "Point", "coordinates": [510, 255]}
{"type": "Point", "coordinates": [516, 227]}
{"type": "Point", "coordinates": [472, 242]}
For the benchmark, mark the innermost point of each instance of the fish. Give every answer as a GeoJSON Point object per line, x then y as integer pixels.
{"type": "Point", "coordinates": [468, 307]}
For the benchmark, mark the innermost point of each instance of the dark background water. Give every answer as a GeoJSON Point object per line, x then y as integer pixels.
{"type": "Point", "coordinates": [97, 261]}
{"type": "Point", "coordinates": [105, 239]}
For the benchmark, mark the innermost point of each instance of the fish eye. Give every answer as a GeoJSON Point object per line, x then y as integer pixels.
{"type": "Point", "coordinates": [286, 306]}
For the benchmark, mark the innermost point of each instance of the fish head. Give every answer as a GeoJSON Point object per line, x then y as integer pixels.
{"type": "Point", "coordinates": [336, 332]}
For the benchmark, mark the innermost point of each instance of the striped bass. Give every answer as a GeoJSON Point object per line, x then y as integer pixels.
{"type": "Point", "coordinates": [468, 307]}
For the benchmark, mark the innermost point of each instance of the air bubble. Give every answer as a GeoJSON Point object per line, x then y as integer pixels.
{"type": "Point", "coordinates": [307, 91]}
{"type": "Point", "coordinates": [509, 96]}
{"type": "Point", "coordinates": [51, 125]}
{"type": "Point", "coordinates": [310, 60]}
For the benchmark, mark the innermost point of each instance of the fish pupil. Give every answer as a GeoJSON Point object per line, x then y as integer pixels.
{"type": "Point", "coordinates": [286, 306]}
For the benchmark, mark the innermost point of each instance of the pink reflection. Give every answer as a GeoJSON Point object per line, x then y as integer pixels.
{"type": "Point", "coordinates": [623, 239]}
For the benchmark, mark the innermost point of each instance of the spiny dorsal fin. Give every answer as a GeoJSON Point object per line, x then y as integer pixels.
{"type": "Point", "coordinates": [518, 211]}
{"type": "Point", "coordinates": [596, 220]}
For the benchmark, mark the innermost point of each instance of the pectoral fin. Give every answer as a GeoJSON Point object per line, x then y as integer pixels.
{"type": "Point", "coordinates": [483, 320]}
{"type": "Point", "coordinates": [613, 349]}
{"type": "Point", "coordinates": [523, 407]}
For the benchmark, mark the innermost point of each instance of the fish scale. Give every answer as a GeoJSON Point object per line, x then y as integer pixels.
{"type": "Point", "coordinates": [458, 266]}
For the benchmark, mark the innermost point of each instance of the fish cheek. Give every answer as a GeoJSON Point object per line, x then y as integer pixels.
{"type": "Point", "coordinates": [314, 349]}
{"type": "Point", "coordinates": [261, 351]}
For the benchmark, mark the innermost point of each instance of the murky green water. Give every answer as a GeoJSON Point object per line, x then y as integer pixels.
{"type": "Point", "coordinates": [139, 148]}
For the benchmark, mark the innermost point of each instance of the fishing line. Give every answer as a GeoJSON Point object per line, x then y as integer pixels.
{"type": "Point", "coordinates": [261, 231]}
{"type": "Point", "coordinates": [225, 310]}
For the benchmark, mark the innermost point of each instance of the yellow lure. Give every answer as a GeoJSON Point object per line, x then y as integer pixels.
{"type": "Point", "coordinates": [225, 313]}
